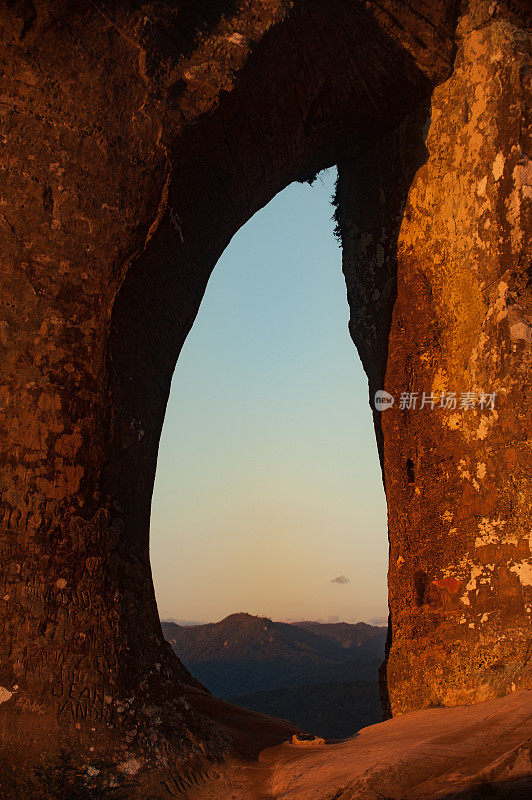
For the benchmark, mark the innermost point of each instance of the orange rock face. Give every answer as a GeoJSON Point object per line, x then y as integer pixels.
{"type": "Point", "coordinates": [447, 263]}
{"type": "Point", "coordinates": [136, 141]}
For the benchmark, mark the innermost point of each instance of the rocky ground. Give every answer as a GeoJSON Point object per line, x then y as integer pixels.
{"type": "Point", "coordinates": [461, 753]}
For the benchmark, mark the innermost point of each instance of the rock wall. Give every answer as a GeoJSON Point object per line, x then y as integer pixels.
{"type": "Point", "coordinates": [137, 140]}
{"type": "Point", "coordinates": [443, 256]}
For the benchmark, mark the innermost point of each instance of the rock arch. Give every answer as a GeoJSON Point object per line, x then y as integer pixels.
{"type": "Point", "coordinates": [138, 140]}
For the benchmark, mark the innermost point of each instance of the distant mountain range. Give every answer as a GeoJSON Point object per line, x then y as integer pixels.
{"type": "Point", "coordinates": [321, 676]}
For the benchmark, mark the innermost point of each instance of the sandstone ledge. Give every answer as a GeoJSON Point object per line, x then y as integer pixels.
{"type": "Point", "coordinates": [458, 753]}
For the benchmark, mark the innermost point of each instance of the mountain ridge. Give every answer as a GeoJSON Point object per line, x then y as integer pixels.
{"type": "Point", "coordinates": [244, 653]}
{"type": "Point", "coordinates": [241, 636]}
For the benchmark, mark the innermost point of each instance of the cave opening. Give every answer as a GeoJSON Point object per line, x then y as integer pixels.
{"type": "Point", "coordinates": [268, 496]}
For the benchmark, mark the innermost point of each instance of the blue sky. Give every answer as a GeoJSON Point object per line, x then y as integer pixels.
{"type": "Point", "coordinates": [268, 485]}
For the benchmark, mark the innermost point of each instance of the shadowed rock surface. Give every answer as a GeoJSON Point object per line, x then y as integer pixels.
{"type": "Point", "coordinates": [137, 139]}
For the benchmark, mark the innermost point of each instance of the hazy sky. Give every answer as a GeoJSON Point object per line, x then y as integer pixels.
{"type": "Point", "coordinates": [268, 486]}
